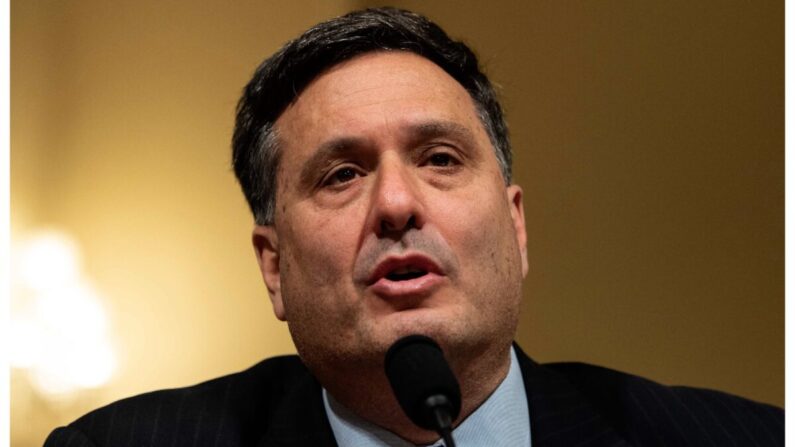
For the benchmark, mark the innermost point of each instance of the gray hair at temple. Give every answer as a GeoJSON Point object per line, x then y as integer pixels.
{"type": "Point", "coordinates": [279, 80]}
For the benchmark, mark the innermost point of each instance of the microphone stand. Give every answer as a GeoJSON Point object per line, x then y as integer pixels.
{"type": "Point", "coordinates": [440, 406]}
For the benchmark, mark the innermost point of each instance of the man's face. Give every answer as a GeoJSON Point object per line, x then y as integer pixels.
{"type": "Point", "coordinates": [392, 217]}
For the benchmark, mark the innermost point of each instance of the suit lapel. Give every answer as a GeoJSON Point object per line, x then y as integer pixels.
{"type": "Point", "coordinates": [560, 416]}
{"type": "Point", "coordinates": [301, 418]}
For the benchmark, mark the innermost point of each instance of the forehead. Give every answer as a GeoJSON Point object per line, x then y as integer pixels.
{"type": "Point", "coordinates": [374, 96]}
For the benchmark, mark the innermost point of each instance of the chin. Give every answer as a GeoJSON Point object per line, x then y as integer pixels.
{"type": "Point", "coordinates": [445, 328]}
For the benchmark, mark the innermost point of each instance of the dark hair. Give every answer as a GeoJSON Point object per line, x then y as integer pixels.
{"type": "Point", "coordinates": [279, 80]}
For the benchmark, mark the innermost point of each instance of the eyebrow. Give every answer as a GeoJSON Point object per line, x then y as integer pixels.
{"type": "Point", "coordinates": [428, 130]}
{"type": "Point", "coordinates": [413, 135]}
{"type": "Point", "coordinates": [327, 151]}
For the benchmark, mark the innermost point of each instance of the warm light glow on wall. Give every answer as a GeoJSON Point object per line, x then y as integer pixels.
{"type": "Point", "coordinates": [59, 329]}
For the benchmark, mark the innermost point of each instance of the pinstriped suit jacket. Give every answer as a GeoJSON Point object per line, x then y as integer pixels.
{"type": "Point", "coordinates": [278, 403]}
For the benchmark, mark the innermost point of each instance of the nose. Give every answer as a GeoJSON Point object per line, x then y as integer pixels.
{"type": "Point", "coordinates": [396, 202]}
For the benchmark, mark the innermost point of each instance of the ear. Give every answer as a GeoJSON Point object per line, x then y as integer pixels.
{"type": "Point", "coordinates": [517, 215]}
{"type": "Point", "coordinates": [266, 247]}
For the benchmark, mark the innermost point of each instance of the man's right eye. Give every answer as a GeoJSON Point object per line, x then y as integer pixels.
{"type": "Point", "coordinates": [342, 175]}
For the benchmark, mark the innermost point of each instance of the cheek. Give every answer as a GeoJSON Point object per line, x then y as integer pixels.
{"type": "Point", "coordinates": [315, 258]}
{"type": "Point", "coordinates": [472, 223]}
{"type": "Point", "coordinates": [309, 291]}
{"type": "Point", "coordinates": [482, 233]}
{"type": "Point", "coordinates": [317, 255]}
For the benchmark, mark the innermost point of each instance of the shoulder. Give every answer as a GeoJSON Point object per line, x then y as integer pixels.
{"type": "Point", "coordinates": [648, 413]}
{"type": "Point", "coordinates": [230, 410]}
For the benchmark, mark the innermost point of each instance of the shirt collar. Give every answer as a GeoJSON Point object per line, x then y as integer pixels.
{"type": "Point", "coordinates": [502, 420]}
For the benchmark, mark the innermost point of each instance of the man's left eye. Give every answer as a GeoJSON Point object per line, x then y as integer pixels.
{"type": "Point", "coordinates": [441, 159]}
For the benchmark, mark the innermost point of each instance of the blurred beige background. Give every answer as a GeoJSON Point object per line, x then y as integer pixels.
{"type": "Point", "coordinates": [648, 137]}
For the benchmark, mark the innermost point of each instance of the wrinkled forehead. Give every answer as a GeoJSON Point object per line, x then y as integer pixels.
{"type": "Point", "coordinates": [375, 94]}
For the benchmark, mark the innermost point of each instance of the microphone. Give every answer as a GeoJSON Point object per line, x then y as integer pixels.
{"type": "Point", "coordinates": [424, 385]}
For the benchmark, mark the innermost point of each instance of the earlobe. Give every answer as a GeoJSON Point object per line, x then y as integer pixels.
{"type": "Point", "coordinates": [517, 215]}
{"type": "Point", "coordinates": [266, 248]}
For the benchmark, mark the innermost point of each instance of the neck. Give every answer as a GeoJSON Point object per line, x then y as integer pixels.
{"type": "Point", "coordinates": [368, 394]}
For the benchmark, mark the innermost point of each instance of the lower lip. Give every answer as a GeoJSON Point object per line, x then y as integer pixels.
{"type": "Point", "coordinates": [423, 285]}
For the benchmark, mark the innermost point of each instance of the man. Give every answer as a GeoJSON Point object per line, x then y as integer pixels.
{"type": "Point", "coordinates": [376, 161]}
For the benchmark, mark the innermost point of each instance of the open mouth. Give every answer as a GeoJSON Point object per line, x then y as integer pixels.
{"type": "Point", "coordinates": [411, 275]}
{"type": "Point", "coordinates": [405, 274]}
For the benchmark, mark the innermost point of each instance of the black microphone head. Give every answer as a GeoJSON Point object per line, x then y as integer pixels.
{"type": "Point", "coordinates": [421, 379]}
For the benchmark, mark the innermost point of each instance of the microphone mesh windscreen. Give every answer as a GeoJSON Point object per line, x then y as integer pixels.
{"type": "Point", "coordinates": [416, 369]}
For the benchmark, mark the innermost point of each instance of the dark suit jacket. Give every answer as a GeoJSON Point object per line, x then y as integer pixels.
{"type": "Point", "coordinates": [278, 403]}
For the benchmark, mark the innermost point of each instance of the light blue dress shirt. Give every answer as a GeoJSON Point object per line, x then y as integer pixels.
{"type": "Point", "coordinates": [502, 420]}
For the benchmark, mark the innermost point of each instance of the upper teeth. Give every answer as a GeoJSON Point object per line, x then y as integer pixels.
{"type": "Point", "coordinates": [404, 270]}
